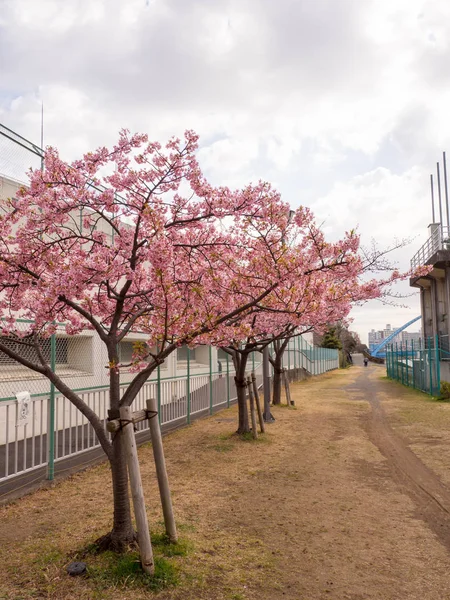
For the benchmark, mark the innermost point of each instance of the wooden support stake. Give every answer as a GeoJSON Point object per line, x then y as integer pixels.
{"type": "Point", "coordinates": [287, 389]}
{"type": "Point", "coordinates": [258, 403]}
{"type": "Point", "coordinates": [114, 425]}
{"type": "Point", "coordinates": [143, 533]}
{"type": "Point", "coordinates": [161, 472]}
{"type": "Point", "coordinates": [252, 407]}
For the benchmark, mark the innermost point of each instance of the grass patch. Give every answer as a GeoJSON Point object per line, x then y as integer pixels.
{"type": "Point", "coordinates": [111, 570]}
{"type": "Point", "coordinates": [224, 437]}
{"type": "Point", "coordinates": [48, 558]}
{"type": "Point", "coordinates": [248, 437]}
{"type": "Point", "coordinates": [124, 570]}
{"type": "Point", "coordinates": [187, 527]}
{"type": "Point", "coordinates": [167, 548]}
{"type": "Point", "coordinates": [437, 399]}
{"type": "Point", "coordinates": [222, 447]}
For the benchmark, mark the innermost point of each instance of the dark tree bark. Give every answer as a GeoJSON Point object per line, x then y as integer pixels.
{"type": "Point", "coordinates": [277, 364]}
{"type": "Point", "coordinates": [277, 381]}
{"type": "Point", "coordinates": [240, 364]}
{"type": "Point", "coordinates": [122, 534]}
{"type": "Point", "coordinates": [240, 359]}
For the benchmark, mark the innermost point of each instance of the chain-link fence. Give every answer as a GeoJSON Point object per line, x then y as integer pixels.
{"type": "Point", "coordinates": [201, 382]}
{"type": "Point", "coordinates": [416, 364]}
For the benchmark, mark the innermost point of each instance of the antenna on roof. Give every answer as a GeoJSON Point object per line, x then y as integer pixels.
{"type": "Point", "coordinates": [446, 189]}
{"type": "Point", "coordinates": [439, 193]}
{"type": "Point", "coordinates": [432, 198]}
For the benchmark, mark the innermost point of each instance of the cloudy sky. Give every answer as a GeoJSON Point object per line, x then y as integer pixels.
{"type": "Point", "coordinates": [341, 104]}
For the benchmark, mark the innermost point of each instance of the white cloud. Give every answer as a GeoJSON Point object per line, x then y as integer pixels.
{"type": "Point", "coordinates": [343, 105]}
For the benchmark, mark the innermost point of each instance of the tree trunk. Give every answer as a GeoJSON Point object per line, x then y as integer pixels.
{"type": "Point", "coordinates": [122, 534]}
{"type": "Point", "coordinates": [241, 389]}
{"type": "Point", "coordinates": [277, 381]}
{"type": "Point", "coordinates": [240, 362]}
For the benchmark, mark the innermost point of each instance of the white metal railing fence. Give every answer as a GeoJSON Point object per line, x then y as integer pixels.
{"type": "Point", "coordinates": [26, 446]}
{"type": "Point", "coordinates": [438, 240]}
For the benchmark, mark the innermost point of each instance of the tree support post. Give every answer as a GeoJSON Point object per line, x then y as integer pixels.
{"type": "Point", "coordinates": [143, 533]}
{"type": "Point", "coordinates": [258, 403]}
{"type": "Point", "coordinates": [252, 407]}
{"type": "Point", "coordinates": [51, 414]}
{"type": "Point", "coordinates": [161, 471]}
{"type": "Point", "coordinates": [287, 389]}
{"type": "Point", "coordinates": [268, 418]}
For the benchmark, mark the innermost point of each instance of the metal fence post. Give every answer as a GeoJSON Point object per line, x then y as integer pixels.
{"type": "Point", "coordinates": [430, 367]}
{"type": "Point", "coordinates": [210, 382]}
{"type": "Point", "coordinates": [407, 364]}
{"type": "Point", "coordinates": [392, 361]}
{"type": "Point", "coordinates": [188, 386]}
{"type": "Point", "coordinates": [51, 415]}
{"type": "Point", "coordinates": [388, 362]}
{"type": "Point", "coordinates": [228, 380]}
{"type": "Point", "coordinates": [396, 362]}
{"type": "Point", "coordinates": [422, 362]}
{"type": "Point", "coordinates": [391, 365]}
{"type": "Point", "coordinates": [158, 391]}
{"type": "Point", "coordinates": [402, 363]}
{"type": "Point", "coordinates": [419, 365]}
{"type": "Point", "coordinates": [438, 364]}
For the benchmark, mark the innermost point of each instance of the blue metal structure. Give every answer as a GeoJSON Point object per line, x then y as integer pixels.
{"type": "Point", "coordinates": [380, 346]}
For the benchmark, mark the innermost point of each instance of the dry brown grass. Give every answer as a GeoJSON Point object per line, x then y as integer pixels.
{"type": "Point", "coordinates": [307, 513]}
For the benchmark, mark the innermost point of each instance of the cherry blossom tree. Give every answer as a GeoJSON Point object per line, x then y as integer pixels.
{"type": "Point", "coordinates": [128, 238]}
{"type": "Point", "coordinates": [320, 284]}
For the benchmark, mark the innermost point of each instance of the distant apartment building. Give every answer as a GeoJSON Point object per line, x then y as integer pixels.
{"type": "Point", "coordinates": [411, 336]}
{"type": "Point", "coordinates": [375, 337]}
{"type": "Point", "coordinates": [403, 338]}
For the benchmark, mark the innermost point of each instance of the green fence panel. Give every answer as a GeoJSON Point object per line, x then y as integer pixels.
{"type": "Point", "coordinates": [416, 364]}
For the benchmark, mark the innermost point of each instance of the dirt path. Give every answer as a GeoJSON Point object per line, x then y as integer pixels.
{"type": "Point", "coordinates": [424, 487]}
{"type": "Point", "coordinates": [347, 497]}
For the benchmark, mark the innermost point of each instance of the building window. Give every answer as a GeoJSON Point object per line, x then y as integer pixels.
{"type": "Point", "coordinates": [128, 347]}
{"type": "Point", "coordinates": [126, 352]}
{"type": "Point", "coordinates": [182, 353]}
